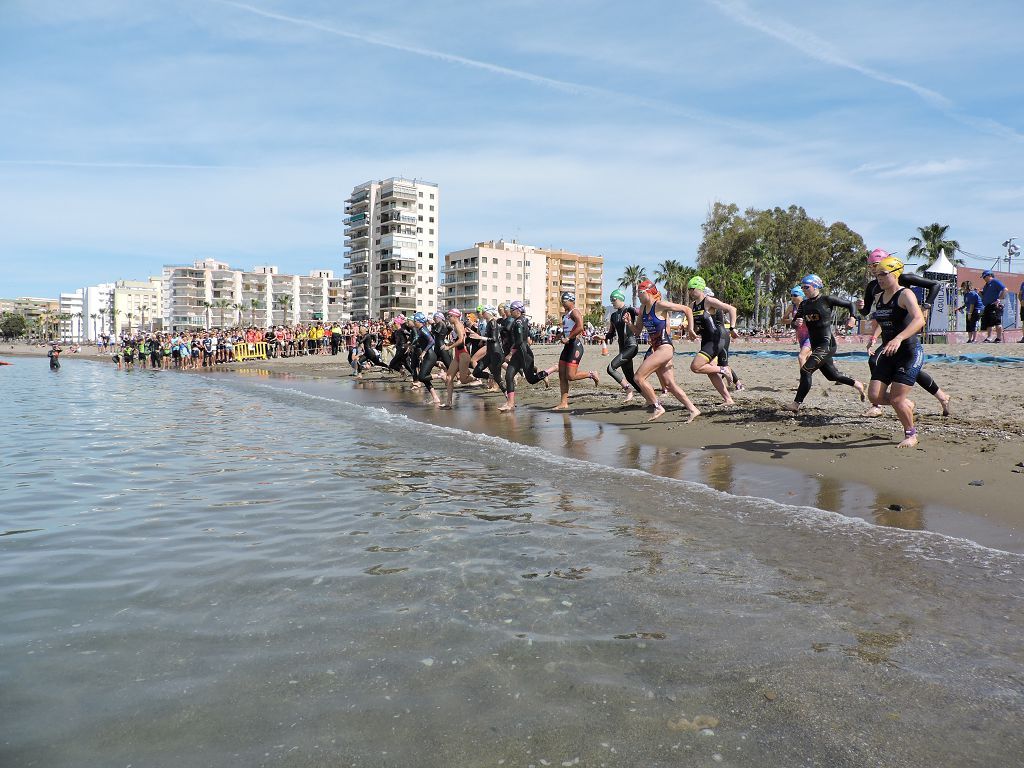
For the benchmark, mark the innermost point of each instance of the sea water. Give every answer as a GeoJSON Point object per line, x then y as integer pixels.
{"type": "Point", "coordinates": [221, 570]}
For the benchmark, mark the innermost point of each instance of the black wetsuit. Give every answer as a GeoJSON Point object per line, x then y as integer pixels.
{"type": "Point", "coordinates": [424, 345]}
{"type": "Point", "coordinates": [817, 316]}
{"type": "Point", "coordinates": [54, 359]}
{"type": "Point", "coordinates": [490, 363]}
{"type": "Point", "coordinates": [369, 343]}
{"type": "Point", "coordinates": [874, 290]}
{"type": "Point", "coordinates": [401, 338]}
{"type": "Point", "coordinates": [522, 356]}
{"type": "Point", "coordinates": [441, 331]}
{"type": "Point", "coordinates": [621, 328]}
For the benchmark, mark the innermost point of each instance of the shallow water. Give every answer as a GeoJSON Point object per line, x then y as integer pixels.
{"type": "Point", "coordinates": [219, 570]}
{"type": "Point", "coordinates": [931, 356]}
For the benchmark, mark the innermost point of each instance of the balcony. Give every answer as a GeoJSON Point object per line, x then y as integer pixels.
{"type": "Point", "coordinates": [356, 219]}
{"type": "Point", "coordinates": [398, 241]}
{"type": "Point", "coordinates": [357, 241]}
{"type": "Point", "coordinates": [360, 256]}
{"type": "Point", "coordinates": [398, 193]}
{"type": "Point", "coordinates": [396, 266]}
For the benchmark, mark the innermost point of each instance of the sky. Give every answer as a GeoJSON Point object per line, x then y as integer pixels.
{"type": "Point", "coordinates": [139, 133]}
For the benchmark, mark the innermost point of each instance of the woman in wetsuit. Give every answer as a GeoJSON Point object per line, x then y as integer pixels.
{"type": "Point", "coordinates": [723, 321]}
{"type": "Point", "coordinates": [370, 355]}
{"type": "Point", "coordinates": [871, 293]}
{"type": "Point", "coordinates": [572, 351]}
{"type": "Point", "coordinates": [489, 361]}
{"type": "Point", "coordinates": [653, 318]}
{"type": "Point", "coordinates": [620, 327]}
{"type": "Point", "coordinates": [441, 330]}
{"type": "Point", "coordinates": [816, 313]}
{"type": "Point", "coordinates": [520, 356]}
{"type": "Point", "coordinates": [401, 339]}
{"type": "Point", "coordinates": [423, 343]}
{"type": "Point", "coordinates": [796, 295]}
{"type": "Point", "coordinates": [703, 308]}
{"type": "Point", "coordinates": [898, 317]}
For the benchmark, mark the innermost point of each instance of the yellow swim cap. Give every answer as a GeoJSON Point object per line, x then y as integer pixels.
{"type": "Point", "coordinates": [890, 266]}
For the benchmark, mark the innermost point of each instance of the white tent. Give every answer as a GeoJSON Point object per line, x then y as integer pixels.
{"type": "Point", "coordinates": [942, 265]}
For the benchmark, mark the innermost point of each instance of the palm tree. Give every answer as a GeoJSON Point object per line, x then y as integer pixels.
{"type": "Point", "coordinates": [285, 302]}
{"type": "Point", "coordinates": [129, 316]}
{"type": "Point", "coordinates": [667, 273]}
{"type": "Point", "coordinates": [762, 265]}
{"type": "Point", "coordinates": [932, 240]}
{"type": "Point", "coordinates": [237, 307]}
{"type": "Point", "coordinates": [631, 278]}
{"type": "Point", "coordinates": [208, 307]}
{"type": "Point", "coordinates": [93, 317]}
{"type": "Point", "coordinates": [253, 306]}
{"type": "Point", "coordinates": [103, 320]}
{"type": "Point", "coordinates": [221, 305]}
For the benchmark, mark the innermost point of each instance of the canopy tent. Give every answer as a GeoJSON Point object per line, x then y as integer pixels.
{"type": "Point", "coordinates": [942, 266]}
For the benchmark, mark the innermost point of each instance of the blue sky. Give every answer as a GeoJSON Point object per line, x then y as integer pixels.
{"type": "Point", "coordinates": [135, 134]}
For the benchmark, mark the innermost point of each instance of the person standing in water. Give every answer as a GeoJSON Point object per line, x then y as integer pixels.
{"type": "Point", "coordinates": [423, 343]}
{"type": "Point", "coordinates": [54, 356]}
{"type": "Point", "coordinates": [654, 316]}
{"type": "Point", "coordinates": [898, 317]}
{"type": "Point", "coordinates": [816, 313]}
{"type": "Point", "coordinates": [620, 327]}
{"type": "Point", "coordinates": [572, 351]}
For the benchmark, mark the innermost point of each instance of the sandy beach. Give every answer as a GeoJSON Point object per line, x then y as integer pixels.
{"type": "Point", "coordinates": [967, 462]}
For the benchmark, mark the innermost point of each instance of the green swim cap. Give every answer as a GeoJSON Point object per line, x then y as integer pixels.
{"type": "Point", "coordinates": [480, 308]}
{"type": "Point", "coordinates": [617, 294]}
{"type": "Point", "coordinates": [697, 283]}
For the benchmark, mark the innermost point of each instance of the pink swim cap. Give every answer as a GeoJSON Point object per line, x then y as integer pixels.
{"type": "Point", "coordinates": [877, 255]}
{"type": "Point", "coordinates": [455, 312]}
{"type": "Point", "coordinates": [400, 319]}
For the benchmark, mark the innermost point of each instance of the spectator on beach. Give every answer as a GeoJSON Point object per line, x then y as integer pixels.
{"type": "Point", "coordinates": [1020, 305]}
{"type": "Point", "coordinates": [971, 308]}
{"type": "Point", "coordinates": [992, 296]}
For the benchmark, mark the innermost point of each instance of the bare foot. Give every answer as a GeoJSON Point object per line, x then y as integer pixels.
{"type": "Point", "coordinates": [908, 442]}
{"type": "Point", "coordinates": [506, 408]}
{"type": "Point", "coordinates": [873, 411]}
{"type": "Point", "coordinates": [945, 404]}
{"type": "Point", "coordinates": [693, 415]}
{"type": "Point", "coordinates": [793, 408]}
{"type": "Point", "coordinates": [629, 397]}
{"type": "Point", "coordinates": [593, 375]}
{"type": "Point", "coordinates": [561, 407]}
{"type": "Point", "coordinates": [860, 390]}
{"type": "Point", "coordinates": [659, 411]}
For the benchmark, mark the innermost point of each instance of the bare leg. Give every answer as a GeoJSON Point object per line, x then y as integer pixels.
{"type": "Point", "coordinates": [668, 384]}
{"type": "Point", "coordinates": [563, 387]}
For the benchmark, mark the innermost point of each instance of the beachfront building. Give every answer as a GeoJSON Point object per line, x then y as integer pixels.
{"type": "Point", "coordinates": [392, 233]}
{"type": "Point", "coordinates": [72, 327]}
{"type": "Point", "coordinates": [493, 272]}
{"type": "Point", "coordinates": [40, 314]}
{"type": "Point", "coordinates": [576, 272]}
{"type": "Point", "coordinates": [210, 293]}
{"type": "Point", "coordinates": [135, 305]}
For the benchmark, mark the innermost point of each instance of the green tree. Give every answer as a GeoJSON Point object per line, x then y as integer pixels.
{"type": "Point", "coordinates": [631, 278]}
{"type": "Point", "coordinates": [222, 304]}
{"type": "Point", "coordinates": [284, 301]}
{"type": "Point", "coordinates": [13, 325]}
{"type": "Point", "coordinates": [595, 315]}
{"type": "Point", "coordinates": [932, 240]}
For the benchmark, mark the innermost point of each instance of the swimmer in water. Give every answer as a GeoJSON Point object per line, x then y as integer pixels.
{"type": "Point", "coordinates": [898, 318]}
{"type": "Point", "coordinates": [54, 355]}
{"type": "Point", "coordinates": [519, 354]}
{"type": "Point", "coordinates": [872, 291]}
{"type": "Point", "coordinates": [653, 318]}
{"type": "Point", "coordinates": [620, 327]}
{"type": "Point", "coordinates": [816, 313]}
{"type": "Point", "coordinates": [703, 309]}
{"type": "Point", "coordinates": [572, 351]}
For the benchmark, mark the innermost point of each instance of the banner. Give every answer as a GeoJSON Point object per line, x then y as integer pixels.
{"type": "Point", "coordinates": [938, 320]}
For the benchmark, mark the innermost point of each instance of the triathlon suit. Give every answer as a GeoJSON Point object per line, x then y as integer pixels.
{"type": "Point", "coordinates": [657, 329]}
{"type": "Point", "coordinates": [425, 347]}
{"type": "Point", "coordinates": [490, 363]}
{"type": "Point", "coordinates": [572, 351]}
{"type": "Point", "coordinates": [441, 331]}
{"type": "Point", "coordinates": [621, 328]}
{"type": "Point", "coordinates": [817, 316]}
{"type": "Point", "coordinates": [522, 356]}
{"type": "Point", "coordinates": [803, 338]}
{"type": "Point", "coordinates": [723, 343]}
{"type": "Point", "coordinates": [709, 331]}
{"type": "Point", "coordinates": [54, 356]}
{"type": "Point", "coordinates": [873, 291]}
{"type": "Point", "coordinates": [904, 366]}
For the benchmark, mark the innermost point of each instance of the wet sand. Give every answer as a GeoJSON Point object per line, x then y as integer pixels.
{"type": "Point", "coordinates": [964, 472]}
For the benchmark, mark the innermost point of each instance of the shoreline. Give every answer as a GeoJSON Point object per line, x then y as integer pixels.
{"type": "Point", "coordinates": [851, 459]}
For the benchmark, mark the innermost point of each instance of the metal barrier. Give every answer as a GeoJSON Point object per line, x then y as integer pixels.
{"type": "Point", "coordinates": [245, 351]}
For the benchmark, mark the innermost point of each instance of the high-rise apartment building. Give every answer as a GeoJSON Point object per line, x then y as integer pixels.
{"type": "Point", "coordinates": [392, 237]}
{"type": "Point", "coordinates": [493, 272]}
{"type": "Point", "coordinates": [211, 293]}
{"type": "Point", "coordinates": [135, 306]}
{"type": "Point", "coordinates": [567, 271]}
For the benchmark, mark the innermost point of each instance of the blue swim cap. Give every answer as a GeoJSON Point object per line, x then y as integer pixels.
{"type": "Point", "coordinates": [517, 305]}
{"type": "Point", "coordinates": [813, 280]}
{"type": "Point", "coordinates": [796, 291]}
{"type": "Point", "coordinates": [419, 317]}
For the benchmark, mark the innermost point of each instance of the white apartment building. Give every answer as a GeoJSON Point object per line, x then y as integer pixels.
{"type": "Point", "coordinates": [210, 293]}
{"type": "Point", "coordinates": [135, 306]}
{"type": "Point", "coordinates": [70, 306]}
{"type": "Point", "coordinates": [494, 272]}
{"type": "Point", "coordinates": [392, 237]}
{"type": "Point", "coordinates": [91, 309]}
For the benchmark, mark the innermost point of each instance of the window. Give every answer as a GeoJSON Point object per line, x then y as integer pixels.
{"type": "Point", "coordinates": [494, 288]}
{"type": "Point", "coordinates": [421, 194]}
{"type": "Point", "coordinates": [519, 263]}
{"type": "Point", "coordinates": [431, 243]}
{"type": "Point", "coordinates": [419, 231]}
{"type": "Point", "coordinates": [419, 290]}
{"type": "Point", "coordinates": [420, 217]}
{"type": "Point", "coordinates": [431, 195]}
{"type": "Point", "coordinates": [494, 275]}
{"type": "Point", "coordinates": [430, 255]}
{"type": "Point", "coordinates": [508, 262]}
{"type": "Point", "coordinates": [431, 267]}
{"type": "Point", "coordinates": [419, 278]}
{"type": "Point", "coordinates": [431, 207]}
{"type": "Point", "coordinates": [519, 276]}
{"type": "Point", "coordinates": [419, 302]}
{"type": "Point", "coordinates": [527, 263]}
{"type": "Point", "coordinates": [431, 219]}
{"type": "Point", "coordinates": [431, 231]}
{"type": "Point", "coordinates": [421, 206]}
{"type": "Point", "coordinates": [430, 291]}
{"type": "Point", "coordinates": [420, 254]}
{"type": "Point", "coordinates": [527, 276]}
